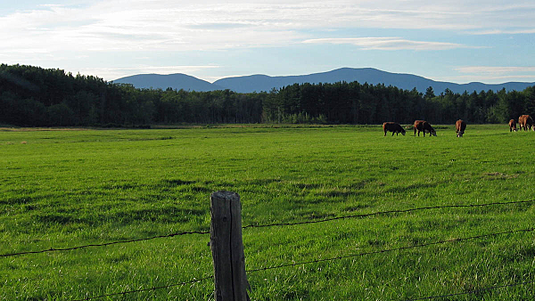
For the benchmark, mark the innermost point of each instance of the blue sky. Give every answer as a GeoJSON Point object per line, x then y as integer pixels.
{"type": "Point", "coordinates": [457, 41]}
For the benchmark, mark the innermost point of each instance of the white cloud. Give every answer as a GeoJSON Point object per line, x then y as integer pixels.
{"type": "Point", "coordinates": [90, 30]}
{"type": "Point", "coordinates": [115, 73]}
{"type": "Point", "coordinates": [387, 43]}
{"type": "Point", "coordinates": [495, 70]}
{"type": "Point", "coordinates": [502, 31]}
{"type": "Point", "coordinates": [137, 25]}
{"type": "Point", "coordinates": [496, 74]}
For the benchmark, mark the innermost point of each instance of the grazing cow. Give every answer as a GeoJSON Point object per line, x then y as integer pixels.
{"type": "Point", "coordinates": [512, 125]}
{"type": "Point", "coordinates": [526, 122]}
{"type": "Point", "coordinates": [460, 126]}
{"type": "Point", "coordinates": [423, 126]}
{"type": "Point", "coordinates": [393, 127]}
{"type": "Point", "coordinates": [521, 121]}
{"type": "Point", "coordinates": [529, 123]}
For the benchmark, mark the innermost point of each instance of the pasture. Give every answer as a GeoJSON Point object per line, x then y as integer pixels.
{"type": "Point", "coordinates": [69, 188]}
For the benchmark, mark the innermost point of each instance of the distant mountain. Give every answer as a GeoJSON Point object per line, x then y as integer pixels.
{"type": "Point", "coordinates": [175, 81]}
{"type": "Point", "coordinates": [258, 83]}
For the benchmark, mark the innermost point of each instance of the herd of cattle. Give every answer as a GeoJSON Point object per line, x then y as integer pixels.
{"type": "Point", "coordinates": [525, 122]}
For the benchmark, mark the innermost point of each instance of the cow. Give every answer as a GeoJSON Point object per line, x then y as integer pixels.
{"type": "Point", "coordinates": [529, 123]}
{"type": "Point", "coordinates": [423, 126]}
{"type": "Point", "coordinates": [526, 122]}
{"type": "Point", "coordinates": [460, 126]}
{"type": "Point", "coordinates": [512, 125]}
{"type": "Point", "coordinates": [521, 121]}
{"type": "Point", "coordinates": [393, 127]}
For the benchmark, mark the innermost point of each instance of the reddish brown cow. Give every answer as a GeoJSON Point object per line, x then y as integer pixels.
{"type": "Point", "coordinates": [460, 126]}
{"type": "Point", "coordinates": [423, 126]}
{"type": "Point", "coordinates": [526, 122]}
{"type": "Point", "coordinates": [393, 127]}
{"type": "Point", "coordinates": [521, 121]}
{"type": "Point", "coordinates": [512, 125]}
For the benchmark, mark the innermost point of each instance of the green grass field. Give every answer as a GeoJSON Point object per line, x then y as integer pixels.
{"type": "Point", "coordinates": [68, 188]}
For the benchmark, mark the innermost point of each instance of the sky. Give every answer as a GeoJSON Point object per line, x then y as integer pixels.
{"type": "Point", "coordinates": [449, 40]}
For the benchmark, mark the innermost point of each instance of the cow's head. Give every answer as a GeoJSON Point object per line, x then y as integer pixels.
{"type": "Point", "coordinates": [460, 133]}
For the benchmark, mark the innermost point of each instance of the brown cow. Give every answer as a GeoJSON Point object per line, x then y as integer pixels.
{"type": "Point", "coordinates": [393, 127]}
{"type": "Point", "coordinates": [512, 125]}
{"type": "Point", "coordinates": [460, 126]}
{"type": "Point", "coordinates": [526, 122]}
{"type": "Point", "coordinates": [521, 121]}
{"type": "Point", "coordinates": [423, 126]}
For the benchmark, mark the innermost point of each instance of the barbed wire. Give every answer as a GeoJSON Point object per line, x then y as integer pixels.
{"type": "Point", "coordinates": [393, 249]}
{"type": "Point", "coordinates": [386, 212]}
{"type": "Point", "coordinates": [104, 244]}
{"type": "Point", "coordinates": [472, 291]}
{"type": "Point", "coordinates": [144, 289]}
{"type": "Point", "coordinates": [340, 258]}
{"type": "Point", "coordinates": [270, 225]}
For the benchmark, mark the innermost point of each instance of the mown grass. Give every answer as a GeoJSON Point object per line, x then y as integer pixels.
{"type": "Point", "coordinates": [78, 187]}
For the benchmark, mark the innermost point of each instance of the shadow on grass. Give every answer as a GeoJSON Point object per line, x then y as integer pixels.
{"type": "Point", "coordinates": [412, 187]}
{"type": "Point", "coordinates": [169, 214]}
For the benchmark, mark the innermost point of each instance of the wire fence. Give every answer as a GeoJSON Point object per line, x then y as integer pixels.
{"type": "Point", "coordinates": [399, 211]}
{"type": "Point", "coordinates": [293, 264]}
{"type": "Point", "coordinates": [143, 290]}
{"type": "Point", "coordinates": [103, 244]}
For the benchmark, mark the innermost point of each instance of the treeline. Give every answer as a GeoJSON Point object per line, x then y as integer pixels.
{"type": "Point", "coordinates": [33, 96]}
{"type": "Point", "coordinates": [356, 103]}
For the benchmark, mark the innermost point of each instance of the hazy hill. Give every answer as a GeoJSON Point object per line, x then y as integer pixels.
{"type": "Point", "coordinates": [362, 75]}
{"type": "Point", "coordinates": [175, 81]}
{"type": "Point", "coordinates": [258, 83]}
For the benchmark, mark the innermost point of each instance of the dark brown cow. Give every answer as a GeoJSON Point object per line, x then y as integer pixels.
{"type": "Point", "coordinates": [512, 125]}
{"type": "Point", "coordinates": [529, 123]}
{"type": "Point", "coordinates": [460, 126]}
{"type": "Point", "coordinates": [393, 127]}
{"type": "Point", "coordinates": [526, 122]}
{"type": "Point", "coordinates": [423, 126]}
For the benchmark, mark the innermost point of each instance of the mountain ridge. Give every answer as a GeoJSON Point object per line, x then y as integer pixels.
{"type": "Point", "coordinates": [175, 81]}
{"type": "Point", "coordinates": [261, 82]}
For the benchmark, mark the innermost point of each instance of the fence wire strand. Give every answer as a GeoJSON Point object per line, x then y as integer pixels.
{"type": "Point", "coordinates": [387, 212]}
{"type": "Point", "coordinates": [393, 249]}
{"type": "Point", "coordinates": [104, 244]}
{"type": "Point", "coordinates": [476, 291]}
{"type": "Point", "coordinates": [346, 257]}
{"type": "Point", "coordinates": [272, 225]}
{"type": "Point", "coordinates": [144, 289]}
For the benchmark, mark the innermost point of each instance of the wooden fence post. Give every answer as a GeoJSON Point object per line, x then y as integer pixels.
{"type": "Point", "coordinates": [227, 247]}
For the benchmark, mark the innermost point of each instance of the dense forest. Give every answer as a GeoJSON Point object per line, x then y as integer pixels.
{"type": "Point", "coordinates": [33, 96]}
